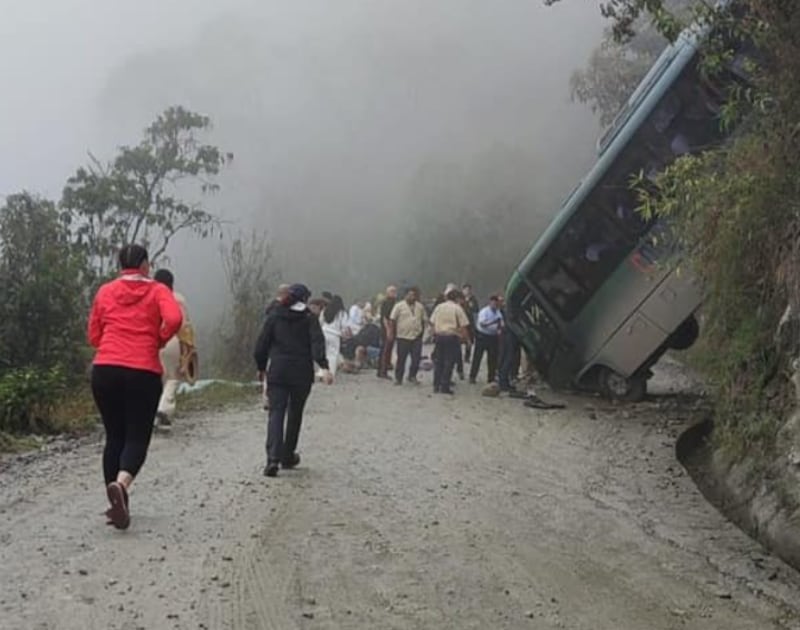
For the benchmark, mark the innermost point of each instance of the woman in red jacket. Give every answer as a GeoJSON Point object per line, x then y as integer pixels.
{"type": "Point", "coordinates": [132, 318]}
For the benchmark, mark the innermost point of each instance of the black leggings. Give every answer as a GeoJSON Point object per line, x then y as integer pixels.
{"type": "Point", "coordinates": [128, 401]}
{"type": "Point", "coordinates": [286, 404]}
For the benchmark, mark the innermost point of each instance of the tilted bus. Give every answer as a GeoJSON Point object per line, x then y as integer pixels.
{"type": "Point", "coordinates": [600, 297]}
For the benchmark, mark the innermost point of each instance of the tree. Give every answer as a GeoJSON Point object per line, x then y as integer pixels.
{"type": "Point", "coordinates": [625, 17]}
{"type": "Point", "coordinates": [613, 72]}
{"type": "Point", "coordinates": [617, 66]}
{"type": "Point", "coordinates": [251, 278]}
{"type": "Point", "coordinates": [42, 305]}
{"type": "Point", "coordinates": [138, 197]}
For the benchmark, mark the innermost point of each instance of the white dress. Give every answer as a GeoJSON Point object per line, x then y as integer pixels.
{"type": "Point", "coordinates": [333, 332]}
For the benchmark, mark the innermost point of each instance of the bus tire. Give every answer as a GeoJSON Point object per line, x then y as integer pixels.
{"type": "Point", "coordinates": [614, 386]}
{"type": "Point", "coordinates": [685, 335]}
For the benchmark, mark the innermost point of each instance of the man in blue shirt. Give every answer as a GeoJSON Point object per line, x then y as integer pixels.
{"type": "Point", "coordinates": [488, 326]}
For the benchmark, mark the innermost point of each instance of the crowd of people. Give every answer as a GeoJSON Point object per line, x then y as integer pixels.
{"type": "Point", "coordinates": [390, 336]}
{"type": "Point", "coordinates": [144, 345]}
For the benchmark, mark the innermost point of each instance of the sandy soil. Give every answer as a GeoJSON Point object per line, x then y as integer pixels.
{"type": "Point", "coordinates": [409, 511]}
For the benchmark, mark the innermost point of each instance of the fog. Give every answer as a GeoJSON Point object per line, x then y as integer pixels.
{"type": "Point", "coordinates": [337, 112]}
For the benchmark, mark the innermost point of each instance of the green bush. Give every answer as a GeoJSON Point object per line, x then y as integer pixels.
{"type": "Point", "coordinates": [28, 399]}
{"type": "Point", "coordinates": [737, 213]}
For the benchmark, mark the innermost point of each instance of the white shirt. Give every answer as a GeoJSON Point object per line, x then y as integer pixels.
{"type": "Point", "coordinates": [356, 322]}
{"type": "Point", "coordinates": [336, 327]}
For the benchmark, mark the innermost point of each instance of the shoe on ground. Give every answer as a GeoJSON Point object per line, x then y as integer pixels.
{"type": "Point", "coordinates": [291, 462]}
{"type": "Point", "coordinates": [413, 380]}
{"type": "Point", "coordinates": [447, 391]}
{"type": "Point", "coordinates": [162, 419]}
{"type": "Point", "coordinates": [118, 514]}
{"type": "Point", "coordinates": [472, 381]}
{"type": "Point", "coordinates": [271, 470]}
{"type": "Point", "coordinates": [398, 382]}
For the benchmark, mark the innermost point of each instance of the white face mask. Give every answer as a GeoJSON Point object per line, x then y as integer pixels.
{"type": "Point", "coordinates": [298, 306]}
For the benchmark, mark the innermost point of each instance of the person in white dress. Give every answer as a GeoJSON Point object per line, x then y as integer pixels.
{"type": "Point", "coordinates": [335, 327]}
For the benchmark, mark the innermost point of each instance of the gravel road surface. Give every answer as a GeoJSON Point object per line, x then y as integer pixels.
{"type": "Point", "coordinates": [409, 511]}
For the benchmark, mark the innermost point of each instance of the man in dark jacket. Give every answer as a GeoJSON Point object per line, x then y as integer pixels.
{"type": "Point", "coordinates": [290, 341]}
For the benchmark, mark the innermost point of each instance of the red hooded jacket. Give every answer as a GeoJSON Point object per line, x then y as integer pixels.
{"type": "Point", "coordinates": [132, 318]}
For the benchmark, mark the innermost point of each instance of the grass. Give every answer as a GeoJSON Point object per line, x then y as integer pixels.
{"type": "Point", "coordinates": [77, 415]}
{"type": "Point", "coordinates": [219, 396]}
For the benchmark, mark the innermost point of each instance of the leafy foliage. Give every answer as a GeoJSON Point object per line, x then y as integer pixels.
{"type": "Point", "coordinates": [28, 397]}
{"type": "Point", "coordinates": [616, 66]}
{"type": "Point", "coordinates": [139, 196]}
{"type": "Point", "coordinates": [613, 72]}
{"type": "Point", "coordinates": [52, 258]}
{"type": "Point", "coordinates": [251, 277]}
{"type": "Point", "coordinates": [625, 17]}
{"type": "Point", "coordinates": [736, 210]}
{"type": "Point", "coordinates": [42, 303]}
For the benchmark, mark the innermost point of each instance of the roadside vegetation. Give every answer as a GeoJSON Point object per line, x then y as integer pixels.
{"type": "Point", "coordinates": [736, 209]}
{"type": "Point", "coordinates": [54, 255]}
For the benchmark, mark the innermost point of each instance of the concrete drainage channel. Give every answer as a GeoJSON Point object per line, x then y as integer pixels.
{"type": "Point", "coordinates": [749, 499]}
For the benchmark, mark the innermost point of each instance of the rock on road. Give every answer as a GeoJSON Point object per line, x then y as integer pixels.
{"type": "Point", "coordinates": [409, 511]}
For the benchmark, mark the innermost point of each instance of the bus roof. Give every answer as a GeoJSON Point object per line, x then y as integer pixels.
{"type": "Point", "coordinates": [640, 105]}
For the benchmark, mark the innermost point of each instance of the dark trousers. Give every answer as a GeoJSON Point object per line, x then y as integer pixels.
{"type": "Point", "coordinates": [127, 400]}
{"type": "Point", "coordinates": [406, 347]}
{"type": "Point", "coordinates": [282, 399]}
{"type": "Point", "coordinates": [459, 361]}
{"type": "Point", "coordinates": [448, 351]}
{"type": "Point", "coordinates": [509, 359]}
{"type": "Point", "coordinates": [490, 344]}
{"type": "Point", "coordinates": [386, 356]}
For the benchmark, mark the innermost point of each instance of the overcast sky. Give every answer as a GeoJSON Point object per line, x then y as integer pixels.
{"type": "Point", "coordinates": [330, 106]}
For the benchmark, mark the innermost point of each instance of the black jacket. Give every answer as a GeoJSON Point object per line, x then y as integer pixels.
{"type": "Point", "coordinates": [291, 341]}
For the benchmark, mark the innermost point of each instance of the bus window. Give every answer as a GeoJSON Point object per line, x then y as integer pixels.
{"type": "Point", "coordinates": [566, 295]}
{"type": "Point", "coordinates": [587, 252]}
{"type": "Point", "coordinates": [603, 248]}
{"type": "Point", "coordinates": [544, 332]}
{"type": "Point", "coordinates": [665, 113]}
{"type": "Point", "coordinates": [620, 203]}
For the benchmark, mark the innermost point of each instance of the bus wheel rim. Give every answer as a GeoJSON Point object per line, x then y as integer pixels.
{"type": "Point", "coordinates": [618, 384]}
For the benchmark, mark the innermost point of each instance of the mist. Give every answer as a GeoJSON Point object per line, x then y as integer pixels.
{"type": "Point", "coordinates": [355, 124]}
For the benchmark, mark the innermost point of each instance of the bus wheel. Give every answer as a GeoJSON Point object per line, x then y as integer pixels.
{"type": "Point", "coordinates": [685, 335]}
{"type": "Point", "coordinates": [617, 387]}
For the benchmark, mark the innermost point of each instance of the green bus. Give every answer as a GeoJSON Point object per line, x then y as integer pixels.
{"type": "Point", "coordinates": [600, 297]}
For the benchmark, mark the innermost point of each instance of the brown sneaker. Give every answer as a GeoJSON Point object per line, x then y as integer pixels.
{"type": "Point", "coordinates": [118, 512]}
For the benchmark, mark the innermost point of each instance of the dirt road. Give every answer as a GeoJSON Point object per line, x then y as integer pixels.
{"type": "Point", "coordinates": [410, 511]}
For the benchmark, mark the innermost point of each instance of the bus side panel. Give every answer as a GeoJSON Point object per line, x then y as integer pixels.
{"type": "Point", "coordinates": [621, 295]}
{"type": "Point", "coordinates": [632, 344]}
{"type": "Point", "coordinates": [675, 300]}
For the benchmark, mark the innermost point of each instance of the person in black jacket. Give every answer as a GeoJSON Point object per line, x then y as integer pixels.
{"type": "Point", "coordinates": [290, 341]}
